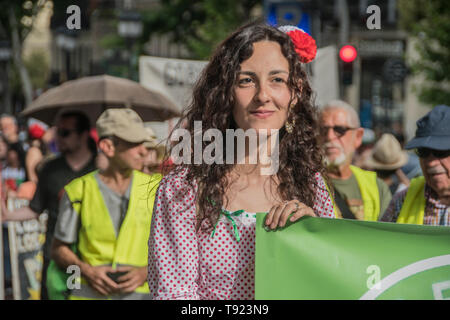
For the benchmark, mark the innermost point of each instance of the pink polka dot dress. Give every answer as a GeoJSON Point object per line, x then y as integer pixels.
{"type": "Point", "coordinates": [188, 264]}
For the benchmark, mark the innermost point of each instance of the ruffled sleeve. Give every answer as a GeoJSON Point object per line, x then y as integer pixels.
{"type": "Point", "coordinates": [173, 243]}
{"type": "Point", "coordinates": [323, 206]}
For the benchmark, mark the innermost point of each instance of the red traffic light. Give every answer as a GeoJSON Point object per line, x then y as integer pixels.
{"type": "Point", "coordinates": [348, 53]}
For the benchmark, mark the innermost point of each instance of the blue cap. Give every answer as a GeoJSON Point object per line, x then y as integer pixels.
{"type": "Point", "coordinates": [433, 130]}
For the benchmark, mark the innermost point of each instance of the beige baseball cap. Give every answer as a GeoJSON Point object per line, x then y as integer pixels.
{"type": "Point", "coordinates": [152, 142]}
{"type": "Point", "coordinates": [123, 123]}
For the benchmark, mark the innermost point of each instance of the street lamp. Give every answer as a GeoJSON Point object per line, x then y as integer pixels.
{"type": "Point", "coordinates": [67, 42]}
{"type": "Point", "coordinates": [130, 28]}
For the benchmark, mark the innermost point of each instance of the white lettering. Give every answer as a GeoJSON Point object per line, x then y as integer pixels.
{"type": "Point", "coordinates": [438, 288]}
{"type": "Point", "coordinates": [198, 310]}
{"type": "Point", "coordinates": [374, 21]}
{"type": "Point", "coordinates": [373, 282]}
{"type": "Point", "coordinates": [213, 152]}
{"type": "Point", "coordinates": [73, 21]}
{"type": "Point", "coordinates": [73, 282]}
{"type": "Point", "coordinates": [184, 146]}
{"type": "Point", "coordinates": [216, 147]}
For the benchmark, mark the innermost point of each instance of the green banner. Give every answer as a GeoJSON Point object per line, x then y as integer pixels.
{"type": "Point", "coordinates": [320, 258]}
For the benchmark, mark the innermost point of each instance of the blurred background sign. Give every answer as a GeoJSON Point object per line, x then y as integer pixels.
{"type": "Point", "coordinates": [175, 79]}
{"type": "Point", "coordinates": [325, 75]}
{"type": "Point", "coordinates": [381, 48]}
{"type": "Point", "coordinates": [26, 239]}
{"type": "Point", "coordinates": [395, 70]}
{"type": "Point", "coordinates": [294, 13]}
{"type": "Point", "coordinates": [172, 77]}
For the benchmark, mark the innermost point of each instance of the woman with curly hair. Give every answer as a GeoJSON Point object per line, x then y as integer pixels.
{"type": "Point", "coordinates": [202, 241]}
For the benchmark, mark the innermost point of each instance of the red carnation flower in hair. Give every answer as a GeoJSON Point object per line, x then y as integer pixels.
{"type": "Point", "coordinates": [304, 44]}
{"type": "Point", "coordinates": [36, 131]}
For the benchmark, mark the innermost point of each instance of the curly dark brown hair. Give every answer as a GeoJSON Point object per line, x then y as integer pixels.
{"type": "Point", "coordinates": [300, 156]}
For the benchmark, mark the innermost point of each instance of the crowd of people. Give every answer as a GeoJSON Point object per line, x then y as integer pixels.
{"type": "Point", "coordinates": [66, 151]}
{"type": "Point", "coordinates": [187, 231]}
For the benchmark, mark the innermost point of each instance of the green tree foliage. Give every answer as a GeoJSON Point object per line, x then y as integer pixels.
{"type": "Point", "coordinates": [429, 21]}
{"type": "Point", "coordinates": [38, 68]}
{"type": "Point", "coordinates": [25, 11]}
{"type": "Point", "coordinates": [16, 21]}
{"type": "Point", "coordinates": [200, 24]}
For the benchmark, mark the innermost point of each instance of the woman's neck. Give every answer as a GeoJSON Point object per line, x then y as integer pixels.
{"type": "Point", "coordinates": [261, 158]}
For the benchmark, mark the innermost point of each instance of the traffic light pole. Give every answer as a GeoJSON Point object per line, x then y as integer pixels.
{"type": "Point", "coordinates": [344, 27]}
{"type": "Point", "coordinates": [344, 22]}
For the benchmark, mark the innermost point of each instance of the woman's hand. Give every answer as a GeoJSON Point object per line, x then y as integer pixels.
{"type": "Point", "coordinates": [279, 214]}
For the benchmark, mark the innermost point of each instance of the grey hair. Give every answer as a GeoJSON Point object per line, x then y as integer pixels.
{"type": "Point", "coordinates": [352, 116]}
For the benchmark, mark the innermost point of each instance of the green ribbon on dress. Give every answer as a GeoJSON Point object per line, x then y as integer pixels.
{"type": "Point", "coordinates": [229, 216]}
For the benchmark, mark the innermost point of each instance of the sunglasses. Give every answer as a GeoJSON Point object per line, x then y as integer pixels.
{"type": "Point", "coordinates": [339, 131]}
{"type": "Point", "coordinates": [425, 152]}
{"type": "Point", "coordinates": [64, 133]}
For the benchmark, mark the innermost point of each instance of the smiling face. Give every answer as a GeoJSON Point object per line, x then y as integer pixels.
{"type": "Point", "coordinates": [261, 90]}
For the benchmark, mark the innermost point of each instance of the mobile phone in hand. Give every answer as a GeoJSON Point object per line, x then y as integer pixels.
{"type": "Point", "coordinates": [116, 275]}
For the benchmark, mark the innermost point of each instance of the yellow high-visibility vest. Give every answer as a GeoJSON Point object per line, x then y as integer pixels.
{"type": "Point", "coordinates": [97, 241]}
{"type": "Point", "coordinates": [413, 208]}
{"type": "Point", "coordinates": [367, 182]}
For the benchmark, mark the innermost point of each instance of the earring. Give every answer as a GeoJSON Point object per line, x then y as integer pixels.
{"type": "Point", "coordinates": [290, 125]}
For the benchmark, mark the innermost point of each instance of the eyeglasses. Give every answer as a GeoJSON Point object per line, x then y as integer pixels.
{"type": "Point", "coordinates": [339, 131]}
{"type": "Point", "coordinates": [425, 152]}
{"type": "Point", "coordinates": [64, 133]}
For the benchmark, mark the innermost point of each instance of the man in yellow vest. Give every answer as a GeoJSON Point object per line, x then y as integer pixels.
{"type": "Point", "coordinates": [107, 214]}
{"type": "Point", "coordinates": [427, 200]}
{"type": "Point", "coordinates": [358, 194]}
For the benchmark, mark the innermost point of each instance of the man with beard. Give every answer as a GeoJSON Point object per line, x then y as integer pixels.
{"type": "Point", "coordinates": [427, 200]}
{"type": "Point", "coordinates": [76, 159]}
{"type": "Point", "coordinates": [358, 194]}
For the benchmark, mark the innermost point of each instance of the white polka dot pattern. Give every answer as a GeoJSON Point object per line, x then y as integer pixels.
{"type": "Point", "coordinates": [189, 264]}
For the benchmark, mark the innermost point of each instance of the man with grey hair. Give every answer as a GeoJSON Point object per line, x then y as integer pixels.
{"type": "Point", "coordinates": [358, 194]}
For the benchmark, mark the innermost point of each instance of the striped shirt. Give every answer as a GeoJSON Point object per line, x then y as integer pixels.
{"type": "Point", "coordinates": [436, 213]}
